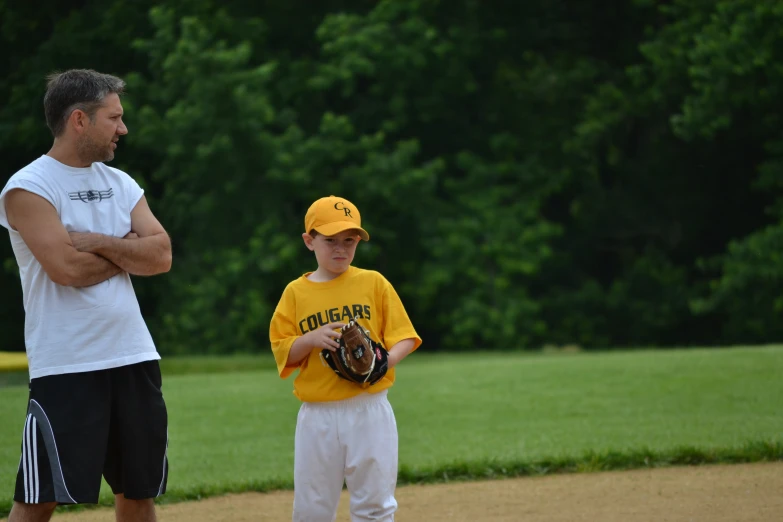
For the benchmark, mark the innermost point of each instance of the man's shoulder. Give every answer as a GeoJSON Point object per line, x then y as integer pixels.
{"type": "Point", "coordinates": [32, 176]}
{"type": "Point", "coordinates": [35, 170]}
{"type": "Point", "coordinates": [119, 180]}
{"type": "Point", "coordinates": [111, 171]}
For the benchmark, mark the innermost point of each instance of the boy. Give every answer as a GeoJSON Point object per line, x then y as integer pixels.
{"type": "Point", "coordinates": [344, 431]}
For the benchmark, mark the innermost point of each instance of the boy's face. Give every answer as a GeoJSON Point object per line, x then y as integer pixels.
{"type": "Point", "coordinates": [333, 253]}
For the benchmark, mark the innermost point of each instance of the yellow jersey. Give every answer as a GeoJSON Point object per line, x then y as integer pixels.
{"type": "Point", "coordinates": [306, 305]}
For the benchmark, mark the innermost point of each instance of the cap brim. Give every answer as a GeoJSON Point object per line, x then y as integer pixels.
{"type": "Point", "coordinates": [335, 228]}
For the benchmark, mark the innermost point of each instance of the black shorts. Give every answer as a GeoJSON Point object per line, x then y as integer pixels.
{"type": "Point", "coordinates": [80, 426]}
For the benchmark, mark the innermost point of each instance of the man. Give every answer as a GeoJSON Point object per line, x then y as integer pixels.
{"type": "Point", "coordinates": [79, 229]}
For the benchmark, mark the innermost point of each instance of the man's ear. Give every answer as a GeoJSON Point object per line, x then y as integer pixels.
{"type": "Point", "coordinates": [308, 241]}
{"type": "Point", "coordinates": [78, 120]}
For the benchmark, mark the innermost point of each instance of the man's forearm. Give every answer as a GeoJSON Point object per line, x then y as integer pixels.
{"type": "Point", "coordinates": [86, 269]}
{"type": "Point", "coordinates": [144, 256]}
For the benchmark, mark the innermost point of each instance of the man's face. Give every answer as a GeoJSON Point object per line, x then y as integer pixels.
{"type": "Point", "coordinates": [99, 139]}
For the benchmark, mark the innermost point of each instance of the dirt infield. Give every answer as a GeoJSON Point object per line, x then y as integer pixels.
{"type": "Point", "coordinates": [739, 493]}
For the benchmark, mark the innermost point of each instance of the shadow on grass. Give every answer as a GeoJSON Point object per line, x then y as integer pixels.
{"type": "Point", "coordinates": [591, 462]}
{"type": "Point", "coordinates": [13, 379]}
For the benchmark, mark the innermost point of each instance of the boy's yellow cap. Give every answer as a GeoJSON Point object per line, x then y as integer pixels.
{"type": "Point", "coordinates": [332, 215]}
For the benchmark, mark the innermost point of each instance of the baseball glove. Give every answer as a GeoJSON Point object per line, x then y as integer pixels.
{"type": "Point", "coordinates": [359, 359]}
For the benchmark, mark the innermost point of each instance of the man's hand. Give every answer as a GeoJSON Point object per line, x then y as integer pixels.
{"type": "Point", "coordinates": [149, 252]}
{"type": "Point", "coordinates": [89, 241]}
{"type": "Point", "coordinates": [85, 241]}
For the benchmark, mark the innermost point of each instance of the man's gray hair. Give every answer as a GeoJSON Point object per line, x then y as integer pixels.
{"type": "Point", "coordinates": [82, 89]}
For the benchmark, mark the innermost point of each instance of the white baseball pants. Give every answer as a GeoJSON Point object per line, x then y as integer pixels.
{"type": "Point", "coordinates": [355, 441]}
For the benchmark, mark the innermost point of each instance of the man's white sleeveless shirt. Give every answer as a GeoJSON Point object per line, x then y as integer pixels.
{"type": "Point", "coordinates": [70, 330]}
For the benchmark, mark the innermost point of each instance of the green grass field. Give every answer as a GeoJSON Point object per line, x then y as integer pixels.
{"type": "Point", "coordinates": [232, 420]}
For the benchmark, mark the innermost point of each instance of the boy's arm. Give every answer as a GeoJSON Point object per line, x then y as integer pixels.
{"type": "Point", "coordinates": [398, 330]}
{"type": "Point", "coordinates": [37, 222]}
{"type": "Point", "coordinates": [400, 351]}
{"type": "Point", "coordinates": [289, 346]}
{"type": "Point", "coordinates": [148, 255]}
{"type": "Point", "coordinates": [324, 337]}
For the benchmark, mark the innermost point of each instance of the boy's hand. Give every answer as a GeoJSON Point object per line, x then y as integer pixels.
{"type": "Point", "coordinates": [326, 336]}
{"type": "Point", "coordinates": [359, 359]}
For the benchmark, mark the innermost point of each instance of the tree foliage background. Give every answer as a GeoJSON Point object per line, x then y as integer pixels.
{"type": "Point", "coordinates": [540, 172]}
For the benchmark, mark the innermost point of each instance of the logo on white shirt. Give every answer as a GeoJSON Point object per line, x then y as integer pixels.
{"type": "Point", "coordinates": [88, 196]}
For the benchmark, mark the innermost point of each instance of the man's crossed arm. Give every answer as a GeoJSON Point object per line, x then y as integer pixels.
{"type": "Point", "coordinates": [85, 259]}
{"type": "Point", "coordinates": [149, 254]}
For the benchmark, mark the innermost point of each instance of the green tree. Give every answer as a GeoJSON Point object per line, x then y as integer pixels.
{"type": "Point", "coordinates": [530, 173]}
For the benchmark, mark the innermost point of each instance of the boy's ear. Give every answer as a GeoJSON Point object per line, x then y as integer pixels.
{"type": "Point", "coordinates": [308, 241]}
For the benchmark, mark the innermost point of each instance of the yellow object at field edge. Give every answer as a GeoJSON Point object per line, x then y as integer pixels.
{"type": "Point", "coordinates": [13, 361]}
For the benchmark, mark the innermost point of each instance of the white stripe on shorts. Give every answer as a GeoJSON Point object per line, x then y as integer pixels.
{"type": "Point", "coordinates": [61, 492]}
{"type": "Point", "coordinates": [37, 488]}
{"type": "Point", "coordinates": [25, 460]}
{"type": "Point", "coordinates": [165, 456]}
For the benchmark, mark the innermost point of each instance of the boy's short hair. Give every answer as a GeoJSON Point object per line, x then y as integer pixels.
{"type": "Point", "coordinates": [331, 215]}
{"type": "Point", "coordinates": [314, 233]}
